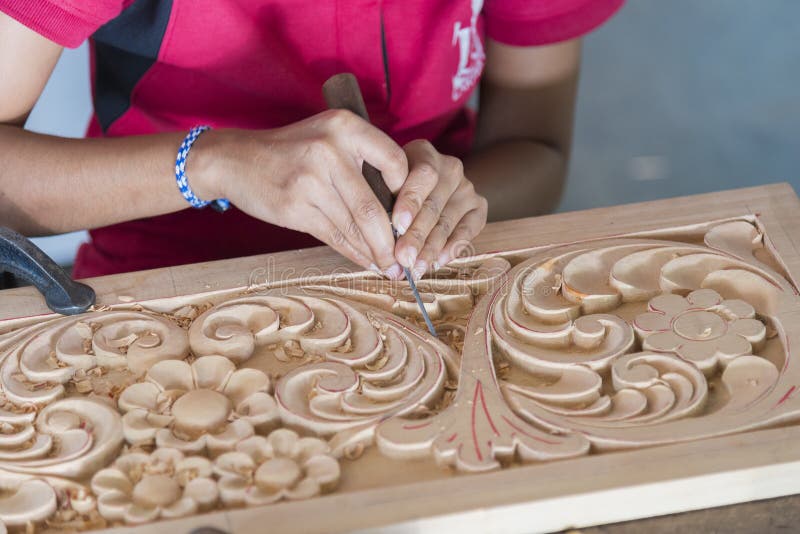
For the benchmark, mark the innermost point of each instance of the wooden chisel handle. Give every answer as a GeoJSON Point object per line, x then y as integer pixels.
{"type": "Point", "coordinates": [341, 91]}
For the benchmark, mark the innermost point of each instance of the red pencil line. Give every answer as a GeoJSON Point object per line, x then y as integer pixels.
{"type": "Point", "coordinates": [474, 431]}
{"type": "Point", "coordinates": [416, 427]}
{"type": "Point", "coordinates": [786, 396]}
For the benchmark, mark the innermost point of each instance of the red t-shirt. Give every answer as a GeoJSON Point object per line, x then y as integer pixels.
{"type": "Point", "coordinates": [169, 65]}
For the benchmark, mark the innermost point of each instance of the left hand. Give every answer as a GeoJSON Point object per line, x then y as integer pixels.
{"type": "Point", "coordinates": [437, 210]}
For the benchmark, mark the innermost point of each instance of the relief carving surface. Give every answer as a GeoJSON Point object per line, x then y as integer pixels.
{"type": "Point", "coordinates": [132, 415]}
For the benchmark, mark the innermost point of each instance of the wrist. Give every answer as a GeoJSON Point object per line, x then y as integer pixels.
{"type": "Point", "coordinates": [206, 166]}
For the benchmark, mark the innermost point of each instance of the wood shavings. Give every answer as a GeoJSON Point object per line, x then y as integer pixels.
{"type": "Point", "coordinates": [354, 452]}
{"type": "Point", "coordinates": [293, 349]}
{"type": "Point", "coordinates": [185, 315]}
{"type": "Point", "coordinates": [106, 389]}
{"type": "Point", "coordinates": [123, 341]}
{"type": "Point", "coordinates": [84, 386]}
{"type": "Point", "coordinates": [280, 355]}
{"type": "Point", "coordinates": [346, 347]}
{"type": "Point", "coordinates": [189, 311]}
{"type": "Point", "coordinates": [378, 364]}
{"type": "Point", "coordinates": [84, 329]}
{"type": "Point", "coordinates": [96, 371]}
{"type": "Point", "coordinates": [422, 410]}
{"type": "Point", "coordinates": [77, 512]}
{"type": "Point", "coordinates": [7, 428]}
{"type": "Point", "coordinates": [502, 368]}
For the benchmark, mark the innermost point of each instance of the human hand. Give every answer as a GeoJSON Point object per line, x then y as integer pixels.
{"type": "Point", "coordinates": [307, 176]}
{"type": "Point", "coordinates": [437, 210]}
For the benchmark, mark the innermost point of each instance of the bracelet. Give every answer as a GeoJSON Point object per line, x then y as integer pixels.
{"type": "Point", "coordinates": [220, 204]}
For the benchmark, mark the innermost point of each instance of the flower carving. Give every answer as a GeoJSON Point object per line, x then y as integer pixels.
{"type": "Point", "coordinates": [281, 466]}
{"type": "Point", "coordinates": [701, 328]}
{"type": "Point", "coordinates": [141, 487]}
{"type": "Point", "coordinates": [208, 405]}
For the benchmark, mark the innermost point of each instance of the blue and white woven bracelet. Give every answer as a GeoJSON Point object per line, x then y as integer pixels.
{"type": "Point", "coordinates": [221, 204]}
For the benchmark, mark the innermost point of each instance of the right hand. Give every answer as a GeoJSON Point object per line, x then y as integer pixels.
{"type": "Point", "coordinates": [307, 176]}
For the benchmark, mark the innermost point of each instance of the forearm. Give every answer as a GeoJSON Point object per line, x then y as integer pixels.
{"type": "Point", "coordinates": [52, 185]}
{"type": "Point", "coordinates": [524, 131]}
{"type": "Point", "coordinates": [518, 178]}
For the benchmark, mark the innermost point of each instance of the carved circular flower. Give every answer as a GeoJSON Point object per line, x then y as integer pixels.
{"type": "Point", "coordinates": [280, 466]}
{"type": "Point", "coordinates": [141, 487]}
{"type": "Point", "coordinates": [208, 404]}
{"type": "Point", "coordinates": [701, 328]}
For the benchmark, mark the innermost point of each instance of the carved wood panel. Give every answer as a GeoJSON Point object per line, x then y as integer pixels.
{"type": "Point", "coordinates": [278, 393]}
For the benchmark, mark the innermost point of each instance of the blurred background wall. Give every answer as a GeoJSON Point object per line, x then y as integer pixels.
{"type": "Point", "coordinates": [686, 96]}
{"type": "Point", "coordinates": [677, 97]}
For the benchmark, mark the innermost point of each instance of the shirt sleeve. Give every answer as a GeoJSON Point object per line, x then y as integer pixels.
{"type": "Point", "coordinates": [65, 22]}
{"type": "Point", "coordinates": [541, 22]}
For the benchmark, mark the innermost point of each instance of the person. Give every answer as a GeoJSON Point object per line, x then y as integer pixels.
{"type": "Point", "coordinates": [252, 70]}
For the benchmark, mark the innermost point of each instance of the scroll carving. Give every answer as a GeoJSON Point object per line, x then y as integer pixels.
{"type": "Point", "coordinates": [131, 416]}
{"type": "Point", "coordinates": [585, 363]}
{"type": "Point", "coordinates": [31, 500]}
{"type": "Point", "coordinates": [40, 369]}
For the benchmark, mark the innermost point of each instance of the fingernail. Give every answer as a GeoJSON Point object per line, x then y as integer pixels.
{"type": "Point", "coordinates": [403, 222]}
{"type": "Point", "coordinates": [411, 256]}
{"type": "Point", "coordinates": [419, 269]}
{"type": "Point", "coordinates": [394, 272]}
{"type": "Point", "coordinates": [436, 265]}
{"type": "Point", "coordinates": [374, 268]}
{"type": "Point", "coordinates": [443, 259]}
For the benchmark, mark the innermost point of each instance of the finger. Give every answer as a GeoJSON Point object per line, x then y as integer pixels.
{"type": "Point", "coordinates": [328, 232]}
{"type": "Point", "coordinates": [365, 142]}
{"type": "Point", "coordinates": [328, 202]}
{"type": "Point", "coordinates": [369, 216]}
{"type": "Point", "coordinates": [460, 204]}
{"type": "Point", "coordinates": [410, 244]}
{"type": "Point", "coordinates": [463, 234]}
{"type": "Point", "coordinates": [422, 178]}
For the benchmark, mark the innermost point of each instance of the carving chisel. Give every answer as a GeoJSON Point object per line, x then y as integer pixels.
{"type": "Point", "coordinates": [341, 91]}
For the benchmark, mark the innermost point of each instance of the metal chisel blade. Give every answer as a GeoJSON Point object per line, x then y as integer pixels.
{"type": "Point", "coordinates": [421, 305]}
{"type": "Point", "coordinates": [342, 91]}
{"type": "Point", "coordinates": [414, 290]}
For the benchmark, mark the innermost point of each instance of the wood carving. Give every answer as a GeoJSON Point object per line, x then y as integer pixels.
{"type": "Point", "coordinates": [134, 415]}
{"type": "Point", "coordinates": [31, 500]}
{"type": "Point", "coordinates": [141, 487]}
{"type": "Point", "coordinates": [577, 378]}
{"type": "Point", "coordinates": [208, 405]}
{"type": "Point", "coordinates": [264, 470]}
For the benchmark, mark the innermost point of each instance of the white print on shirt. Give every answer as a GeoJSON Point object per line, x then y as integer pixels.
{"type": "Point", "coordinates": [470, 53]}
